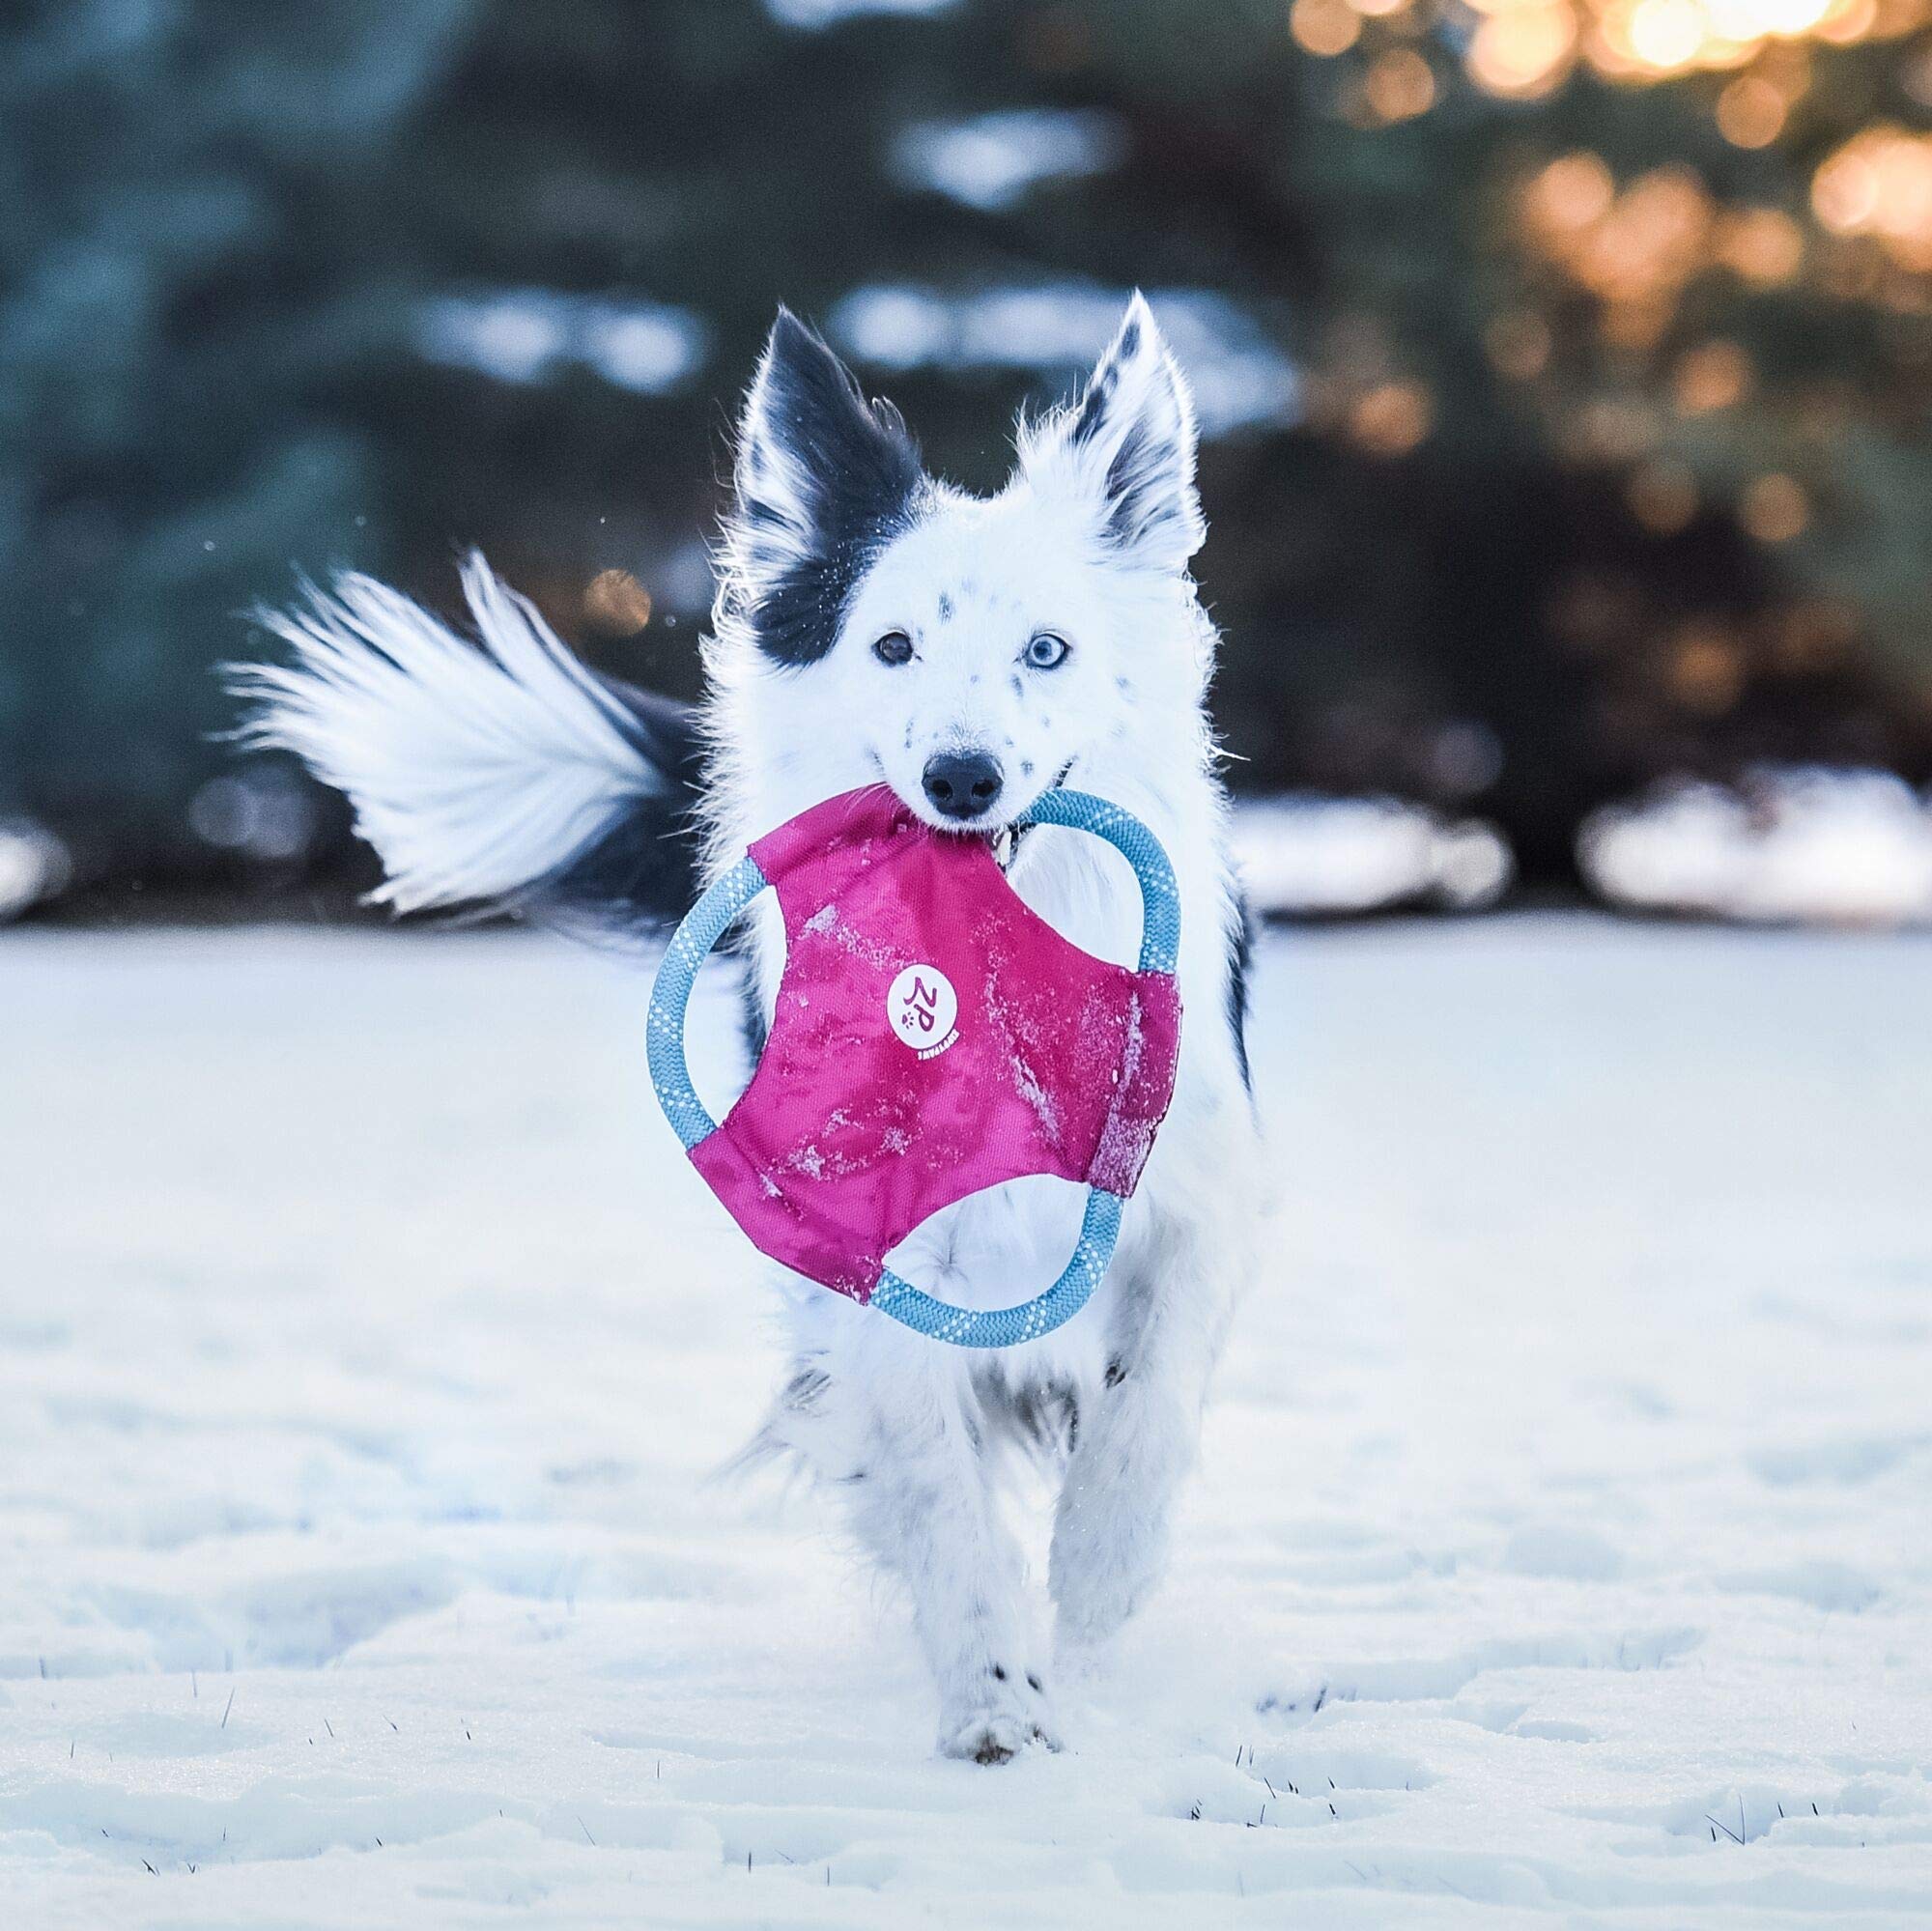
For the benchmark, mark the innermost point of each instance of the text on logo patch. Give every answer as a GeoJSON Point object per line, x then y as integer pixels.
{"type": "Point", "coordinates": [923, 1009]}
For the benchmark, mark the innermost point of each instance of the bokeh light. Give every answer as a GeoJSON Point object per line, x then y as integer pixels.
{"type": "Point", "coordinates": [1751, 112]}
{"type": "Point", "coordinates": [1399, 86]}
{"type": "Point", "coordinates": [1652, 40]}
{"type": "Point", "coordinates": [1880, 184]}
{"type": "Point", "coordinates": [1718, 375]}
{"type": "Point", "coordinates": [617, 603]}
{"type": "Point", "coordinates": [1523, 48]}
{"type": "Point", "coordinates": [1773, 509]}
{"type": "Point", "coordinates": [1762, 245]}
{"type": "Point", "coordinates": [1707, 668]}
{"type": "Point", "coordinates": [1325, 27]}
{"type": "Point", "coordinates": [1392, 418]}
{"type": "Point", "coordinates": [1636, 250]}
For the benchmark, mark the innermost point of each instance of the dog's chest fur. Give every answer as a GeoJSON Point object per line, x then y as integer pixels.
{"type": "Point", "coordinates": [1005, 1246]}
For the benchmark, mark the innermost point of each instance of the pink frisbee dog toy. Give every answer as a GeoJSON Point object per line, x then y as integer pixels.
{"type": "Point", "coordinates": [933, 1036]}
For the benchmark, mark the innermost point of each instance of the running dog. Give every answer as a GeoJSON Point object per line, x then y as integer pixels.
{"type": "Point", "coordinates": [874, 623]}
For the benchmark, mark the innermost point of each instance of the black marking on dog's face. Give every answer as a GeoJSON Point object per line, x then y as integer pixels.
{"type": "Point", "coordinates": [825, 479]}
{"type": "Point", "coordinates": [945, 608]}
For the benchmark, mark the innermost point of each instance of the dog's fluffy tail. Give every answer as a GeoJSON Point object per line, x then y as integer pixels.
{"type": "Point", "coordinates": [503, 773]}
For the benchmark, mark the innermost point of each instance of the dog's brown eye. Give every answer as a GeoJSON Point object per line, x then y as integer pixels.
{"type": "Point", "coordinates": [894, 647]}
{"type": "Point", "coordinates": [1047, 650]}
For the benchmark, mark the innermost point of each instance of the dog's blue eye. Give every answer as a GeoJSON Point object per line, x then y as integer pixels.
{"type": "Point", "coordinates": [1045, 650]}
{"type": "Point", "coordinates": [894, 647]}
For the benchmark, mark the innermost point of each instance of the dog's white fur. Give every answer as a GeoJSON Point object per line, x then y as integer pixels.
{"type": "Point", "coordinates": [477, 773]}
{"type": "Point", "coordinates": [469, 773]}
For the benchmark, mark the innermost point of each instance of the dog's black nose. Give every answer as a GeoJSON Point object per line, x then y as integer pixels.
{"type": "Point", "coordinates": [962, 786]}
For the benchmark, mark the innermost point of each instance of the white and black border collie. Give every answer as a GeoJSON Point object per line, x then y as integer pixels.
{"type": "Point", "coordinates": [874, 623]}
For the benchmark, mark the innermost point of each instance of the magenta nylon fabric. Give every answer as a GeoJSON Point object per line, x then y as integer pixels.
{"type": "Point", "coordinates": [848, 1138]}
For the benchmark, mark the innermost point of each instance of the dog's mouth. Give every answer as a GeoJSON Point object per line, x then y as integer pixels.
{"type": "Point", "coordinates": [1007, 839]}
{"type": "Point", "coordinates": [1005, 833]}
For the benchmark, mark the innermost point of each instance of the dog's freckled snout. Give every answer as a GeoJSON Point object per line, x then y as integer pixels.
{"type": "Point", "coordinates": [962, 785]}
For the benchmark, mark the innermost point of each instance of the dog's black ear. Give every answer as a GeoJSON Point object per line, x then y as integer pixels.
{"type": "Point", "coordinates": [1127, 445]}
{"type": "Point", "coordinates": [823, 477]}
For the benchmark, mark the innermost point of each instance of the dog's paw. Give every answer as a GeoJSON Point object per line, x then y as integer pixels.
{"type": "Point", "coordinates": [1012, 1713]}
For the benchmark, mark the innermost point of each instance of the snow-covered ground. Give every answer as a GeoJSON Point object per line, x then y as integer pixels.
{"type": "Point", "coordinates": [1563, 1551]}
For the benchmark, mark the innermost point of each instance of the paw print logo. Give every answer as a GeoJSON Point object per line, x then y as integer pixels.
{"type": "Point", "coordinates": [923, 1009]}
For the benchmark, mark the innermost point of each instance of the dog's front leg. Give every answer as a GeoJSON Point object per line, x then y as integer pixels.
{"type": "Point", "coordinates": [1139, 1434]}
{"type": "Point", "coordinates": [892, 1421]}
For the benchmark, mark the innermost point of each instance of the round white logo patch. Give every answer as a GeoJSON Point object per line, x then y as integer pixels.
{"type": "Point", "coordinates": [923, 1009]}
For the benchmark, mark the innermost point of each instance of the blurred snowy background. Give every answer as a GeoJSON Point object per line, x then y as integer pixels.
{"type": "Point", "coordinates": [1564, 366]}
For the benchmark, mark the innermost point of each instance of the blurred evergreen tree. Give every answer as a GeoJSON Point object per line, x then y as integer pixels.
{"type": "Point", "coordinates": [180, 300]}
{"type": "Point", "coordinates": [1608, 457]}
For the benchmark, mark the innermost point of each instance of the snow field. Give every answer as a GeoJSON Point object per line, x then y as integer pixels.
{"type": "Point", "coordinates": [1560, 1553]}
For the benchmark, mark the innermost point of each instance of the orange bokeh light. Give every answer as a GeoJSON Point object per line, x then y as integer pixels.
{"type": "Point", "coordinates": [1392, 418]}
{"type": "Point", "coordinates": [1880, 184]}
{"type": "Point", "coordinates": [1521, 50]}
{"type": "Point", "coordinates": [1399, 86]}
{"type": "Point", "coordinates": [1751, 112]}
{"type": "Point", "coordinates": [1773, 509]}
{"type": "Point", "coordinates": [1716, 376]}
{"type": "Point", "coordinates": [1324, 27]}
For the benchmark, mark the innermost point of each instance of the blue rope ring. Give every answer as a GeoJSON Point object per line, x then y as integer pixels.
{"type": "Point", "coordinates": [712, 916]}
